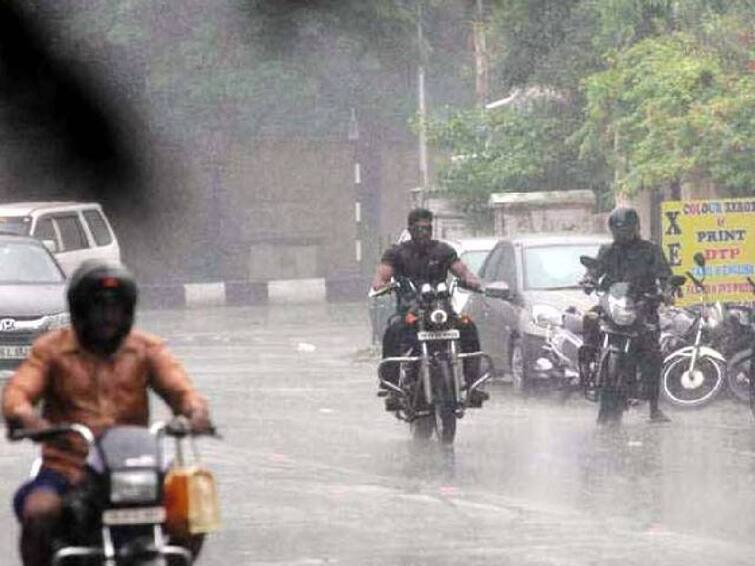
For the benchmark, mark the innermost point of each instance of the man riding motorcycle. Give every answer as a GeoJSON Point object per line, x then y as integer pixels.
{"type": "Point", "coordinates": [424, 260]}
{"type": "Point", "coordinates": [97, 373]}
{"type": "Point", "coordinates": [641, 262]}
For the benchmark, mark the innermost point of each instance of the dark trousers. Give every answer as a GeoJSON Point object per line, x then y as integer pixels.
{"type": "Point", "coordinates": [400, 338]}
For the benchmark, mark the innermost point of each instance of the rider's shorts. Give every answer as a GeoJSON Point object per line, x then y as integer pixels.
{"type": "Point", "coordinates": [46, 479]}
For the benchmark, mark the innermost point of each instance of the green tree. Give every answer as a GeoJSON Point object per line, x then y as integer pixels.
{"type": "Point", "coordinates": [670, 111]}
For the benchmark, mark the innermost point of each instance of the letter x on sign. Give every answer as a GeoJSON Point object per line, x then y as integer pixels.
{"type": "Point", "coordinates": [673, 227]}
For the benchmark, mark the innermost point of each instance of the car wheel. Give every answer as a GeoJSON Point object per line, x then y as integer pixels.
{"type": "Point", "coordinates": [518, 372]}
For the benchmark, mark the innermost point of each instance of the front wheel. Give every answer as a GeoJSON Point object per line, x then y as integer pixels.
{"type": "Point", "coordinates": [688, 389]}
{"type": "Point", "coordinates": [612, 395]}
{"type": "Point", "coordinates": [518, 367]}
{"type": "Point", "coordinates": [445, 404]}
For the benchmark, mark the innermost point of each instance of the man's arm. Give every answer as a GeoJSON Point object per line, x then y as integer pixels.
{"type": "Point", "coordinates": [661, 267]}
{"type": "Point", "coordinates": [25, 389]}
{"type": "Point", "coordinates": [469, 279]}
{"type": "Point", "coordinates": [383, 275]}
{"type": "Point", "coordinates": [170, 381]}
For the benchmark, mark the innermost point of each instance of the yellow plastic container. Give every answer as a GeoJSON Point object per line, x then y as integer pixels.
{"type": "Point", "coordinates": [191, 501]}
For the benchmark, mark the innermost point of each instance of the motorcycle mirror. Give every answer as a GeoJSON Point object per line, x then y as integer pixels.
{"type": "Point", "coordinates": [588, 262]}
{"type": "Point", "coordinates": [498, 290]}
{"type": "Point", "coordinates": [678, 280]}
{"type": "Point", "coordinates": [699, 259]}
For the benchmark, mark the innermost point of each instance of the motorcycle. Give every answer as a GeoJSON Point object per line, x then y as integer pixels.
{"type": "Point", "coordinates": [117, 516]}
{"type": "Point", "coordinates": [693, 373]}
{"type": "Point", "coordinates": [741, 369]}
{"type": "Point", "coordinates": [560, 362]}
{"type": "Point", "coordinates": [623, 319]}
{"type": "Point", "coordinates": [431, 394]}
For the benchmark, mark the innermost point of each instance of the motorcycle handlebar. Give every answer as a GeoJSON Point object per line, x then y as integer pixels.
{"type": "Point", "coordinates": [374, 293]}
{"type": "Point", "coordinates": [695, 280]}
{"type": "Point", "coordinates": [180, 427]}
{"type": "Point", "coordinates": [52, 432]}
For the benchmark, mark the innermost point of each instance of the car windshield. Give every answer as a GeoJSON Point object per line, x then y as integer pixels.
{"type": "Point", "coordinates": [27, 263]}
{"type": "Point", "coordinates": [473, 259]}
{"type": "Point", "coordinates": [15, 225]}
{"type": "Point", "coordinates": [555, 267]}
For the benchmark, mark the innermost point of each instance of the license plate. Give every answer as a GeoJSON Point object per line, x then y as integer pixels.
{"type": "Point", "coordinates": [452, 334]}
{"type": "Point", "coordinates": [139, 516]}
{"type": "Point", "coordinates": [14, 352]}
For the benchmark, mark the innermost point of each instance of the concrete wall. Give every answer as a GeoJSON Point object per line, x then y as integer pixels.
{"type": "Point", "coordinates": [545, 211]}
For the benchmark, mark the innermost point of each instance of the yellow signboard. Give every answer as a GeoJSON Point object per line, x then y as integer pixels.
{"type": "Point", "coordinates": [723, 230]}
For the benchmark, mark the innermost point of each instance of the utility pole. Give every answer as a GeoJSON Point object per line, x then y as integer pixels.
{"type": "Point", "coordinates": [422, 109]}
{"type": "Point", "coordinates": [481, 55]}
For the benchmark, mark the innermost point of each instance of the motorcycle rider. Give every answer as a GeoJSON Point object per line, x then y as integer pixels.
{"type": "Point", "coordinates": [422, 259]}
{"type": "Point", "coordinates": [96, 372]}
{"type": "Point", "coordinates": [641, 262]}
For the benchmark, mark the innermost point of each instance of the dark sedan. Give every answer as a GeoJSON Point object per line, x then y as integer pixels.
{"type": "Point", "coordinates": [32, 297]}
{"type": "Point", "coordinates": [542, 272]}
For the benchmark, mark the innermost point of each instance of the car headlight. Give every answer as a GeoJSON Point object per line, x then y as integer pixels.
{"type": "Point", "coordinates": [58, 320]}
{"type": "Point", "coordinates": [546, 315]}
{"type": "Point", "coordinates": [133, 486]}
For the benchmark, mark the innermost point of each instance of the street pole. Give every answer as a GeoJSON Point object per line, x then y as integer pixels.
{"type": "Point", "coordinates": [422, 110]}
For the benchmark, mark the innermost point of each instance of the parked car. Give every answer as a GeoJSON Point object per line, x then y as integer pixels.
{"type": "Point", "coordinates": [32, 297]}
{"type": "Point", "coordinates": [472, 251]}
{"type": "Point", "coordinates": [73, 231]}
{"type": "Point", "coordinates": [542, 272]}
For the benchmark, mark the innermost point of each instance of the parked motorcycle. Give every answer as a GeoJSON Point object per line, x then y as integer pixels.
{"type": "Point", "coordinates": [623, 319]}
{"type": "Point", "coordinates": [741, 369]}
{"type": "Point", "coordinates": [431, 389]}
{"type": "Point", "coordinates": [693, 372]}
{"type": "Point", "coordinates": [117, 516]}
{"type": "Point", "coordinates": [559, 362]}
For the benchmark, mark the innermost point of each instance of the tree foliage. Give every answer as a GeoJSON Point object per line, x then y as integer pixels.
{"type": "Point", "coordinates": [654, 92]}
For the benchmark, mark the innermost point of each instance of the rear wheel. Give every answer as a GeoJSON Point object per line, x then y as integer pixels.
{"type": "Point", "coordinates": [738, 376]}
{"type": "Point", "coordinates": [689, 389]}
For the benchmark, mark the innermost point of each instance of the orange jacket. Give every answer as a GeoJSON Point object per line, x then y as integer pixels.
{"type": "Point", "coordinates": [77, 386]}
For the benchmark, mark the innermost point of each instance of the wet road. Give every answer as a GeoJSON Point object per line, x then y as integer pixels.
{"type": "Point", "coordinates": [313, 471]}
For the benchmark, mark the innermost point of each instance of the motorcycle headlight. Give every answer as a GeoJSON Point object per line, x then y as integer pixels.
{"type": "Point", "coordinates": [546, 315]}
{"type": "Point", "coordinates": [133, 486]}
{"type": "Point", "coordinates": [439, 316]}
{"type": "Point", "coordinates": [58, 320]}
{"type": "Point", "coordinates": [621, 311]}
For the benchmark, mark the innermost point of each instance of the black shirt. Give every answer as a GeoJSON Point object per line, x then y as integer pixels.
{"type": "Point", "coordinates": [422, 265]}
{"type": "Point", "coordinates": [639, 262]}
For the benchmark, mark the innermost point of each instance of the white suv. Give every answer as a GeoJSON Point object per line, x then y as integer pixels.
{"type": "Point", "coordinates": [73, 231]}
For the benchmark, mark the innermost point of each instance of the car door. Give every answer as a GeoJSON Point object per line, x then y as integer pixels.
{"type": "Point", "coordinates": [507, 320]}
{"type": "Point", "coordinates": [74, 241]}
{"type": "Point", "coordinates": [479, 307]}
{"type": "Point", "coordinates": [502, 314]}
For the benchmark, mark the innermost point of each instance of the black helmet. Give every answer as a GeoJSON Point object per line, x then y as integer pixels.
{"type": "Point", "coordinates": [624, 223]}
{"type": "Point", "coordinates": [96, 287]}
